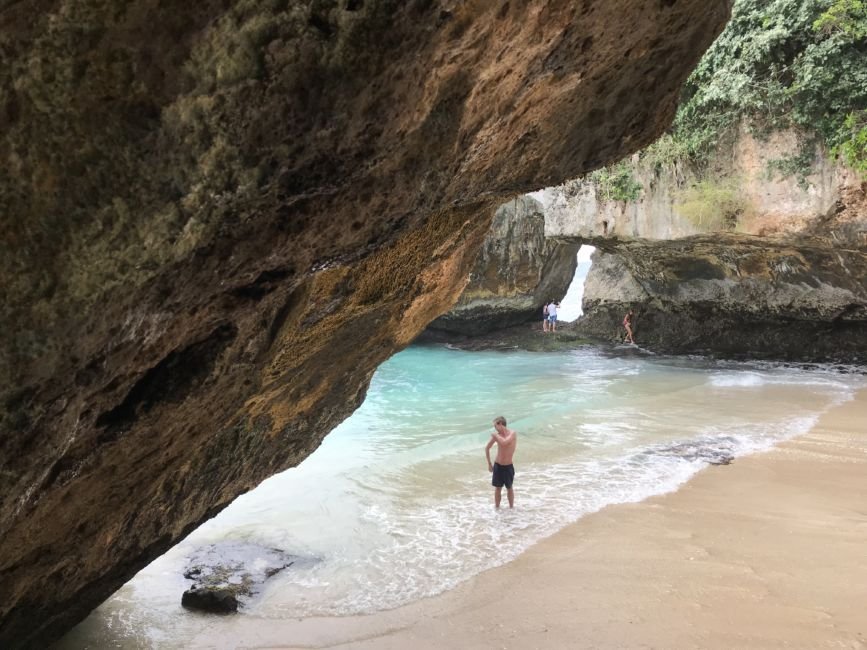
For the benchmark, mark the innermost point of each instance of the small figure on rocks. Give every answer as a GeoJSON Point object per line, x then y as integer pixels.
{"type": "Point", "coordinates": [552, 316]}
{"type": "Point", "coordinates": [502, 470]}
{"type": "Point", "coordinates": [545, 317]}
{"type": "Point", "coordinates": [627, 324]}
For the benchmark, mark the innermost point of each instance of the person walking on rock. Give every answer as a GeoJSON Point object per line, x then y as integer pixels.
{"type": "Point", "coordinates": [502, 470]}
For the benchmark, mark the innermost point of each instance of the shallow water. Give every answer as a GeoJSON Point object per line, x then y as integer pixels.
{"type": "Point", "coordinates": [396, 504]}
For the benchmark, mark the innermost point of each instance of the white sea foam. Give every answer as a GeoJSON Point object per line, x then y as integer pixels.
{"type": "Point", "coordinates": [436, 544]}
{"type": "Point", "coordinates": [740, 379]}
{"type": "Point", "coordinates": [780, 377]}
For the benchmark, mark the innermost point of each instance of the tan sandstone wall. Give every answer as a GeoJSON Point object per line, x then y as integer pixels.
{"type": "Point", "coordinates": [774, 204]}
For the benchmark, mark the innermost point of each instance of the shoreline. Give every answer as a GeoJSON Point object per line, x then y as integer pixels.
{"type": "Point", "coordinates": [766, 552]}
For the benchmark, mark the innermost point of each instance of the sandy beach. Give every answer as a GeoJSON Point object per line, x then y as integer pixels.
{"type": "Point", "coordinates": [768, 552]}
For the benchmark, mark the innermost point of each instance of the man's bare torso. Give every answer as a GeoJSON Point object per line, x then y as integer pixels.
{"type": "Point", "coordinates": [506, 447]}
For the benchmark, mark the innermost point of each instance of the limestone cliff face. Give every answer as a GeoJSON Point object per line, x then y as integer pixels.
{"type": "Point", "coordinates": [766, 201]}
{"type": "Point", "coordinates": [220, 216]}
{"type": "Point", "coordinates": [732, 295]}
{"type": "Point", "coordinates": [577, 209]}
{"type": "Point", "coordinates": [516, 272]}
{"type": "Point", "coordinates": [789, 284]}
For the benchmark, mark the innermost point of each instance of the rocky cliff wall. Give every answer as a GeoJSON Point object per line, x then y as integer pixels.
{"type": "Point", "coordinates": [745, 169]}
{"type": "Point", "coordinates": [517, 270]}
{"type": "Point", "coordinates": [577, 209]}
{"type": "Point", "coordinates": [219, 217]}
{"type": "Point", "coordinates": [785, 284]}
{"type": "Point", "coordinates": [734, 296]}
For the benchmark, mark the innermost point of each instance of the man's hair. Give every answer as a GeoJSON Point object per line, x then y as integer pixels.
{"type": "Point", "coordinates": [500, 420]}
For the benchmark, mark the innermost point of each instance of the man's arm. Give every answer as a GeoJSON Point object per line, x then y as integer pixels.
{"type": "Point", "coordinates": [502, 440]}
{"type": "Point", "coordinates": [488, 454]}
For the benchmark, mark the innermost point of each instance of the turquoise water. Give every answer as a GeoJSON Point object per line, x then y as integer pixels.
{"type": "Point", "coordinates": [396, 504]}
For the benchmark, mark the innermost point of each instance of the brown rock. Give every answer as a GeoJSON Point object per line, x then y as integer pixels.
{"type": "Point", "coordinates": [219, 217]}
{"type": "Point", "coordinates": [517, 271]}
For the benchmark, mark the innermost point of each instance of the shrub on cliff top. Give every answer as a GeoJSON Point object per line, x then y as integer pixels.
{"type": "Point", "coordinates": [712, 204]}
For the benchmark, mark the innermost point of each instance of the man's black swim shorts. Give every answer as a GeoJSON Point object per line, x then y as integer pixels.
{"type": "Point", "coordinates": [503, 475]}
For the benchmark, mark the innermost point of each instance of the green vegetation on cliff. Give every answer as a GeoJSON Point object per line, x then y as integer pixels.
{"type": "Point", "coordinates": [781, 64]}
{"type": "Point", "coordinates": [616, 183]}
{"type": "Point", "coordinates": [712, 204]}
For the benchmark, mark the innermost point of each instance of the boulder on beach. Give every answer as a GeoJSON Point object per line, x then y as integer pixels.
{"type": "Point", "coordinates": [214, 600]}
{"type": "Point", "coordinates": [226, 573]}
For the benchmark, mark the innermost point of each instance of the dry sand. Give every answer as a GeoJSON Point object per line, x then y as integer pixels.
{"type": "Point", "coordinates": [769, 552]}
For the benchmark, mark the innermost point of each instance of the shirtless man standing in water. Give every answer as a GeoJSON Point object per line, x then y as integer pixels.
{"type": "Point", "coordinates": [503, 470]}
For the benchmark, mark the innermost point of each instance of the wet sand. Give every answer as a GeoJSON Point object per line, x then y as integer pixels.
{"type": "Point", "coordinates": [768, 552]}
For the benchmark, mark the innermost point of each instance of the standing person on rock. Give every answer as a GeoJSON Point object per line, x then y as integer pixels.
{"type": "Point", "coordinates": [503, 471]}
{"type": "Point", "coordinates": [627, 324]}
{"type": "Point", "coordinates": [545, 317]}
{"type": "Point", "coordinates": [552, 316]}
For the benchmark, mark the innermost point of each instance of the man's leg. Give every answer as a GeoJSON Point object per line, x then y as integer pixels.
{"type": "Point", "coordinates": [498, 494]}
{"type": "Point", "coordinates": [510, 493]}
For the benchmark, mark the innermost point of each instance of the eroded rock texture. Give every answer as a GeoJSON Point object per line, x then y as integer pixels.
{"type": "Point", "coordinates": [220, 216]}
{"type": "Point", "coordinates": [516, 272]}
{"type": "Point", "coordinates": [825, 200]}
{"type": "Point", "coordinates": [733, 295]}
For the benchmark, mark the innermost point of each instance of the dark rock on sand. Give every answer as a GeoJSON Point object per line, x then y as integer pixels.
{"type": "Point", "coordinates": [216, 600]}
{"type": "Point", "coordinates": [226, 573]}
